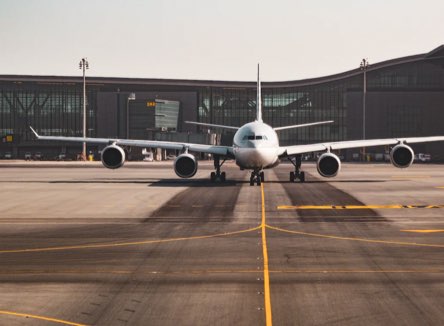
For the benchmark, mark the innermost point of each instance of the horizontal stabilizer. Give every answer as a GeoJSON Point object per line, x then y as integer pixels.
{"type": "Point", "coordinates": [211, 125]}
{"type": "Point", "coordinates": [303, 125]}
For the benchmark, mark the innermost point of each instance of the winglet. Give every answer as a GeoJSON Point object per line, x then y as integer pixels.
{"type": "Point", "coordinates": [35, 133]}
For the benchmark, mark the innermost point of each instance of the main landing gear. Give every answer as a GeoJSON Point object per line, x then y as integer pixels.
{"type": "Point", "coordinates": [297, 173]}
{"type": "Point", "coordinates": [257, 177]}
{"type": "Point", "coordinates": [218, 176]}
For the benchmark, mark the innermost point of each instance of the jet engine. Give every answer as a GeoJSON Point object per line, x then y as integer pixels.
{"type": "Point", "coordinates": [402, 156]}
{"type": "Point", "coordinates": [185, 165]}
{"type": "Point", "coordinates": [328, 165]}
{"type": "Point", "coordinates": [113, 157]}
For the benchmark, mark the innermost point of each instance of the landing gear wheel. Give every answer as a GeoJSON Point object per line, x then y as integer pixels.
{"type": "Point", "coordinates": [302, 177]}
{"type": "Point", "coordinates": [297, 174]}
{"type": "Point", "coordinates": [218, 176]}
{"type": "Point", "coordinates": [256, 177]}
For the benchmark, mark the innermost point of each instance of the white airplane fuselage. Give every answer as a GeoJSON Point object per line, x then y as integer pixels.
{"type": "Point", "coordinates": [256, 146]}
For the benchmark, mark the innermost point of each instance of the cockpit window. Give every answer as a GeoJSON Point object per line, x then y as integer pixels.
{"type": "Point", "coordinates": [254, 137]}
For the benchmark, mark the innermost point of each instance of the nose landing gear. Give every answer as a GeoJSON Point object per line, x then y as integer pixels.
{"type": "Point", "coordinates": [297, 174]}
{"type": "Point", "coordinates": [217, 176]}
{"type": "Point", "coordinates": [257, 177]}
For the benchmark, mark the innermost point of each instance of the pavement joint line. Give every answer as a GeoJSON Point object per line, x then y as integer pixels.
{"type": "Point", "coordinates": [228, 271]}
{"type": "Point", "coordinates": [268, 312]}
{"type": "Point", "coordinates": [126, 244]}
{"type": "Point", "coordinates": [318, 235]}
{"type": "Point", "coordinates": [54, 320]}
{"type": "Point", "coordinates": [410, 176]}
{"type": "Point", "coordinates": [340, 207]}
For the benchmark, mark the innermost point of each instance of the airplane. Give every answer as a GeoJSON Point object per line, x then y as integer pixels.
{"type": "Point", "coordinates": [255, 147]}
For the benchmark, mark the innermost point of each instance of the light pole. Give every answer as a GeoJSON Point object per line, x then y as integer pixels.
{"type": "Point", "coordinates": [364, 66]}
{"type": "Point", "coordinates": [83, 64]}
{"type": "Point", "coordinates": [131, 97]}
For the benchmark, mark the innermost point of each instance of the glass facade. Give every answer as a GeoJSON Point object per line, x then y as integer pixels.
{"type": "Point", "coordinates": [405, 97]}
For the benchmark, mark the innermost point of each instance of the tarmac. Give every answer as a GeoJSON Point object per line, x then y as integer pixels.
{"type": "Point", "coordinates": [83, 245]}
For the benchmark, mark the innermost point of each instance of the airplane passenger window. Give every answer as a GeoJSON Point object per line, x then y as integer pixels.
{"type": "Point", "coordinates": [258, 137]}
{"type": "Point", "coordinates": [250, 137]}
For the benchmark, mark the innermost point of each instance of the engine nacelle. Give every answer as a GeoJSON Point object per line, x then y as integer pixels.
{"type": "Point", "coordinates": [402, 156]}
{"type": "Point", "coordinates": [328, 165]}
{"type": "Point", "coordinates": [185, 165]}
{"type": "Point", "coordinates": [113, 157]}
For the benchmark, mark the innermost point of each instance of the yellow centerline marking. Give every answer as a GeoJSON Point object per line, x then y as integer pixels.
{"type": "Point", "coordinates": [340, 207]}
{"type": "Point", "coordinates": [268, 317]}
{"type": "Point", "coordinates": [401, 243]}
{"type": "Point", "coordinates": [54, 320]}
{"type": "Point", "coordinates": [126, 244]}
{"type": "Point", "coordinates": [440, 187]}
{"type": "Point", "coordinates": [423, 231]}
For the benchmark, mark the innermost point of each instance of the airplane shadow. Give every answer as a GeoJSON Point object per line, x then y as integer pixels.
{"type": "Point", "coordinates": [195, 183]}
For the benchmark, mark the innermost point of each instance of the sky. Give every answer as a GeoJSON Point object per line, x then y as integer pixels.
{"type": "Point", "coordinates": [212, 39]}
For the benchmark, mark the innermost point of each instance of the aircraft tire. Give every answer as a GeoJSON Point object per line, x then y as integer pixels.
{"type": "Point", "coordinates": [302, 177]}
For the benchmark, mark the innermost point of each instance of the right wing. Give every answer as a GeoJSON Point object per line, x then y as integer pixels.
{"type": "Point", "coordinates": [210, 149]}
{"type": "Point", "coordinates": [211, 125]}
{"type": "Point", "coordinates": [302, 149]}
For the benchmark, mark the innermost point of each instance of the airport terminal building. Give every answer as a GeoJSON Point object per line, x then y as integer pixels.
{"type": "Point", "coordinates": [403, 97]}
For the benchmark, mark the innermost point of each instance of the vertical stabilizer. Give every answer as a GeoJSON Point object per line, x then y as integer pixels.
{"type": "Point", "coordinates": [259, 98]}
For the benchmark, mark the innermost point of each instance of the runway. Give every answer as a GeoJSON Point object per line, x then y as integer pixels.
{"type": "Point", "coordinates": [83, 245]}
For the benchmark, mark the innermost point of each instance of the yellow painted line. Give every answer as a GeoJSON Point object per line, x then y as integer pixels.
{"type": "Point", "coordinates": [440, 187]}
{"type": "Point", "coordinates": [400, 243]}
{"type": "Point", "coordinates": [126, 244]}
{"type": "Point", "coordinates": [268, 317]}
{"type": "Point", "coordinates": [423, 231]}
{"type": "Point", "coordinates": [54, 320]}
{"type": "Point", "coordinates": [340, 207]}
{"type": "Point", "coordinates": [357, 271]}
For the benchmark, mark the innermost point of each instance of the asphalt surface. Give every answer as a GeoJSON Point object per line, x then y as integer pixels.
{"type": "Point", "coordinates": [83, 245]}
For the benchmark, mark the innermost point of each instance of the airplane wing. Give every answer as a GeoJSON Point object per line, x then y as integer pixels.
{"type": "Point", "coordinates": [301, 149]}
{"type": "Point", "coordinates": [303, 125]}
{"type": "Point", "coordinates": [210, 149]}
{"type": "Point", "coordinates": [211, 125]}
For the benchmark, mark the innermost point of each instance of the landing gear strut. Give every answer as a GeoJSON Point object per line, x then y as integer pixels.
{"type": "Point", "coordinates": [297, 174]}
{"type": "Point", "coordinates": [257, 177]}
{"type": "Point", "coordinates": [218, 176]}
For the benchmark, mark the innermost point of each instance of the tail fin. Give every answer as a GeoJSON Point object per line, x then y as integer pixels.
{"type": "Point", "coordinates": [259, 98]}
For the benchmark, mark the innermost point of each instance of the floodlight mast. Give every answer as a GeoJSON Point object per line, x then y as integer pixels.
{"type": "Point", "coordinates": [84, 65]}
{"type": "Point", "coordinates": [364, 66]}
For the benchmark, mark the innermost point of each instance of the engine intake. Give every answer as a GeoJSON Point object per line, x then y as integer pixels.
{"type": "Point", "coordinates": [402, 156]}
{"type": "Point", "coordinates": [113, 157]}
{"type": "Point", "coordinates": [185, 165]}
{"type": "Point", "coordinates": [328, 165]}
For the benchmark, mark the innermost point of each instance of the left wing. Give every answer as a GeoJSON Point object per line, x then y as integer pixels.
{"type": "Point", "coordinates": [301, 149]}
{"type": "Point", "coordinates": [211, 149]}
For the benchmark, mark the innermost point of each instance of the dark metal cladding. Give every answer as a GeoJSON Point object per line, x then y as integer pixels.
{"type": "Point", "coordinates": [404, 99]}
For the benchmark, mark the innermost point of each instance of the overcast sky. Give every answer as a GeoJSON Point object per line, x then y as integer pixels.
{"type": "Point", "coordinates": [212, 39]}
